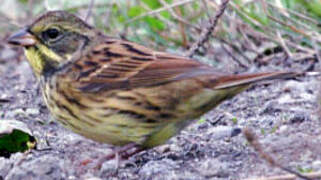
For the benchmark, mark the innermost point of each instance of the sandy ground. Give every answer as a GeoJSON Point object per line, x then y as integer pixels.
{"type": "Point", "coordinates": [283, 114]}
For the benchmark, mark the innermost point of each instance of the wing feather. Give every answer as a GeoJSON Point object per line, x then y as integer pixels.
{"type": "Point", "coordinates": [121, 64]}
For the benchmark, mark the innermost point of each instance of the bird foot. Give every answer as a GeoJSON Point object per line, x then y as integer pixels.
{"type": "Point", "coordinates": [119, 154]}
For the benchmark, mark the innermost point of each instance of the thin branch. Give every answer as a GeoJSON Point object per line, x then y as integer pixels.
{"type": "Point", "coordinates": [30, 6]}
{"type": "Point", "coordinates": [240, 64]}
{"type": "Point", "coordinates": [285, 12]}
{"type": "Point", "coordinates": [107, 17]}
{"type": "Point", "coordinates": [157, 15]}
{"type": "Point", "coordinates": [278, 34]}
{"type": "Point", "coordinates": [303, 16]}
{"type": "Point", "coordinates": [273, 38]}
{"type": "Point", "coordinates": [238, 10]}
{"type": "Point", "coordinates": [182, 29]}
{"type": "Point", "coordinates": [235, 48]}
{"type": "Point", "coordinates": [207, 31]}
{"type": "Point", "coordinates": [282, 43]}
{"type": "Point", "coordinates": [305, 33]}
{"type": "Point", "coordinates": [89, 11]}
{"type": "Point", "coordinates": [179, 3]}
{"type": "Point", "coordinates": [317, 50]}
{"type": "Point", "coordinates": [177, 17]}
{"type": "Point", "coordinates": [205, 6]}
{"type": "Point", "coordinates": [270, 33]}
{"type": "Point", "coordinates": [85, 6]}
{"type": "Point", "coordinates": [250, 45]}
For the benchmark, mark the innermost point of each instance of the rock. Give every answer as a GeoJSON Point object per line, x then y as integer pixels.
{"type": "Point", "coordinates": [316, 164]}
{"type": "Point", "coordinates": [213, 168]}
{"type": "Point", "coordinates": [109, 167]}
{"type": "Point", "coordinates": [155, 167]}
{"type": "Point", "coordinates": [299, 118]}
{"type": "Point", "coordinates": [5, 167]}
{"type": "Point", "coordinates": [271, 108]}
{"type": "Point", "coordinates": [32, 111]}
{"type": "Point", "coordinates": [220, 132]}
{"type": "Point", "coordinates": [46, 167]}
{"type": "Point", "coordinates": [23, 112]}
{"type": "Point", "coordinates": [7, 126]}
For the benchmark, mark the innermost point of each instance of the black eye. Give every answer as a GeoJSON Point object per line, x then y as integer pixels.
{"type": "Point", "coordinates": [51, 33]}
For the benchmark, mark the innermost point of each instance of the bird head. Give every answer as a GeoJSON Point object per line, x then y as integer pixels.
{"type": "Point", "coordinates": [52, 39]}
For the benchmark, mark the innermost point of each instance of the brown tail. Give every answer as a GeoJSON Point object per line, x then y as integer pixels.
{"type": "Point", "coordinates": [238, 80]}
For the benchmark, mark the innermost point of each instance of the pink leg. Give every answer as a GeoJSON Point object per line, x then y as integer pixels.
{"type": "Point", "coordinates": [120, 153]}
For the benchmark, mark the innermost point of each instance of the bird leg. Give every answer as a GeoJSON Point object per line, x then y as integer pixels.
{"type": "Point", "coordinates": [120, 153]}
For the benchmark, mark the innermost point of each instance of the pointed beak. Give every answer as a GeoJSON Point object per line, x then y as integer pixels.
{"type": "Point", "coordinates": [22, 38]}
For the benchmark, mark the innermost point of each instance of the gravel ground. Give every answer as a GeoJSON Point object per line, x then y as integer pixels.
{"type": "Point", "coordinates": [282, 113]}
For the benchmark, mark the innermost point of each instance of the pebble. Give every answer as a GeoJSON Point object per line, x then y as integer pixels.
{"type": "Point", "coordinates": [220, 132]}
{"type": "Point", "coordinates": [213, 168]}
{"type": "Point", "coordinates": [25, 112]}
{"type": "Point", "coordinates": [32, 111]}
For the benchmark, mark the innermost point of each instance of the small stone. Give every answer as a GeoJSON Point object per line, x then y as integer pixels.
{"type": "Point", "coordinates": [271, 108]}
{"type": "Point", "coordinates": [298, 118]}
{"type": "Point", "coordinates": [4, 96]}
{"type": "Point", "coordinates": [7, 126]}
{"type": "Point", "coordinates": [236, 131]}
{"type": "Point", "coordinates": [163, 148]}
{"type": "Point", "coordinates": [32, 111]}
{"type": "Point", "coordinates": [15, 112]}
{"type": "Point", "coordinates": [220, 132]}
{"type": "Point", "coordinates": [109, 167]}
{"type": "Point", "coordinates": [316, 164]}
{"type": "Point", "coordinates": [24, 112]}
{"type": "Point", "coordinates": [283, 128]}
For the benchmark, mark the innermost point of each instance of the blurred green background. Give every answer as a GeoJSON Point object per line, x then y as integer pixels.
{"type": "Point", "coordinates": [249, 32]}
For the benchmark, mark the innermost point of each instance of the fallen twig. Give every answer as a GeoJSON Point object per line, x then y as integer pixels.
{"type": "Point", "coordinates": [311, 175]}
{"type": "Point", "coordinates": [254, 142]}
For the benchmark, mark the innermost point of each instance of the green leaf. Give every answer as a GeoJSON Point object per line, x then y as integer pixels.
{"type": "Point", "coordinates": [135, 11]}
{"type": "Point", "coordinates": [315, 7]}
{"type": "Point", "coordinates": [234, 120]}
{"type": "Point", "coordinates": [154, 23]}
{"type": "Point", "coordinates": [166, 14]}
{"type": "Point", "coordinates": [304, 170]}
{"type": "Point", "coordinates": [202, 120]}
{"type": "Point", "coordinates": [14, 138]}
{"type": "Point", "coordinates": [153, 4]}
{"type": "Point", "coordinates": [256, 12]}
{"type": "Point", "coordinates": [23, 1]}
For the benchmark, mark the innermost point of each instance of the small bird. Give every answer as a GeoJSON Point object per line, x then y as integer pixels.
{"type": "Point", "coordinates": [119, 92]}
